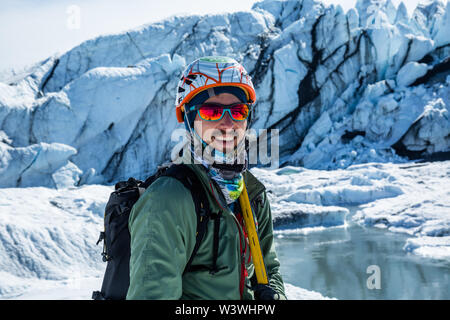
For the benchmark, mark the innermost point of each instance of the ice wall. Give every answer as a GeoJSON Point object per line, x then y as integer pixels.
{"type": "Point", "coordinates": [370, 84]}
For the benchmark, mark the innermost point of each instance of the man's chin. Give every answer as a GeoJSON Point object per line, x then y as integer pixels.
{"type": "Point", "coordinates": [224, 146]}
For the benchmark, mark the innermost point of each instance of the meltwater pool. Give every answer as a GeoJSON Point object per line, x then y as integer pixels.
{"type": "Point", "coordinates": [356, 262]}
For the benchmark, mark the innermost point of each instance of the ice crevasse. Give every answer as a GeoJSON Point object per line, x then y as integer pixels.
{"type": "Point", "coordinates": [367, 85]}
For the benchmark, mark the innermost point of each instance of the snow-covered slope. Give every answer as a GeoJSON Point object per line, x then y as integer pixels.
{"type": "Point", "coordinates": [48, 236]}
{"type": "Point", "coordinates": [48, 243]}
{"type": "Point", "coordinates": [408, 198]}
{"type": "Point", "coordinates": [367, 85]}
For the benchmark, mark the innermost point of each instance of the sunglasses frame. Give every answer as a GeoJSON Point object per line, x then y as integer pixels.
{"type": "Point", "coordinates": [225, 107]}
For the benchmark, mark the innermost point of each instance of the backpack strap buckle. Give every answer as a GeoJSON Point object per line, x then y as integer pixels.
{"type": "Point", "coordinates": [100, 238]}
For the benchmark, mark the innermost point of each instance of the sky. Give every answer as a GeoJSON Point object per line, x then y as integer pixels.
{"type": "Point", "coordinates": [31, 30]}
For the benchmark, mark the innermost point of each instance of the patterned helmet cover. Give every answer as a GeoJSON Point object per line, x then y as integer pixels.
{"type": "Point", "coordinates": [209, 72]}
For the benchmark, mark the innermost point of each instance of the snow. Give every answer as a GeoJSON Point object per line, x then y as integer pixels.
{"type": "Point", "coordinates": [355, 96]}
{"type": "Point", "coordinates": [306, 215]}
{"type": "Point", "coordinates": [296, 293]}
{"type": "Point", "coordinates": [432, 129]}
{"type": "Point", "coordinates": [430, 247]}
{"type": "Point", "coordinates": [410, 72]}
{"type": "Point", "coordinates": [339, 87]}
{"type": "Point", "coordinates": [75, 287]}
{"type": "Point", "coordinates": [422, 210]}
{"type": "Point", "coordinates": [39, 164]}
{"type": "Point", "coordinates": [48, 244]}
{"type": "Point", "coordinates": [380, 119]}
{"type": "Point", "coordinates": [405, 198]}
{"type": "Point", "coordinates": [48, 235]}
{"type": "Point", "coordinates": [442, 25]}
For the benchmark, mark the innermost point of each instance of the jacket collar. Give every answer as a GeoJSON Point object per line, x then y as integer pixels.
{"type": "Point", "coordinates": [217, 199]}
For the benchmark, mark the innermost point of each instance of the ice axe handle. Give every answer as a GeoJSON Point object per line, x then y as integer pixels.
{"type": "Point", "coordinates": [255, 247]}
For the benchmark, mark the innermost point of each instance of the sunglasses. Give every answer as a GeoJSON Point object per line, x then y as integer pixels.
{"type": "Point", "coordinates": [215, 111]}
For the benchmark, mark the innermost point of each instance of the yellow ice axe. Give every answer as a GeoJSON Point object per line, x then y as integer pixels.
{"type": "Point", "coordinates": [255, 248]}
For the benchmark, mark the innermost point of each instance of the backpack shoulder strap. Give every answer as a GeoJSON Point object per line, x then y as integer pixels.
{"type": "Point", "coordinates": [159, 172]}
{"type": "Point", "coordinates": [190, 180]}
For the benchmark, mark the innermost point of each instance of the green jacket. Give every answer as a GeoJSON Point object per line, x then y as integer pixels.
{"type": "Point", "coordinates": [163, 227]}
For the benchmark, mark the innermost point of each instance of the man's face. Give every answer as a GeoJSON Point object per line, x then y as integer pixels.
{"type": "Point", "coordinates": [224, 134]}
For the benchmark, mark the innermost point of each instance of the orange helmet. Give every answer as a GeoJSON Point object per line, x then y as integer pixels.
{"type": "Point", "coordinates": [210, 72]}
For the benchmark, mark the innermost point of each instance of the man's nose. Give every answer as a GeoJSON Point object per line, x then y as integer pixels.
{"type": "Point", "coordinates": [226, 121]}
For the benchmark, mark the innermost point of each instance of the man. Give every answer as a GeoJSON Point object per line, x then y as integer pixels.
{"type": "Point", "coordinates": [214, 100]}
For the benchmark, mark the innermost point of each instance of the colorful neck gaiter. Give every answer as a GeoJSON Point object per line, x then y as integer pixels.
{"type": "Point", "coordinates": [231, 188]}
{"type": "Point", "coordinates": [229, 181]}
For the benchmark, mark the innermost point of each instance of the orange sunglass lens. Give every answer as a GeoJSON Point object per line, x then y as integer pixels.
{"type": "Point", "coordinates": [212, 112]}
{"type": "Point", "coordinates": [239, 112]}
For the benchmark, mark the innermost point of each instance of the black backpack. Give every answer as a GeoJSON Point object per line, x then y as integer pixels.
{"type": "Point", "coordinates": [116, 237]}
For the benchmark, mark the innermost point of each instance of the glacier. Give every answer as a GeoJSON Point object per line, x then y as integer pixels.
{"type": "Point", "coordinates": [367, 85]}
{"type": "Point", "coordinates": [48, 244]}
{"type": "Point", "coordinates": [360, 98]}
{"type": "Point", "coordinates": [405, 198]}
{"type": "Point", "coordinates": [48, 236]}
